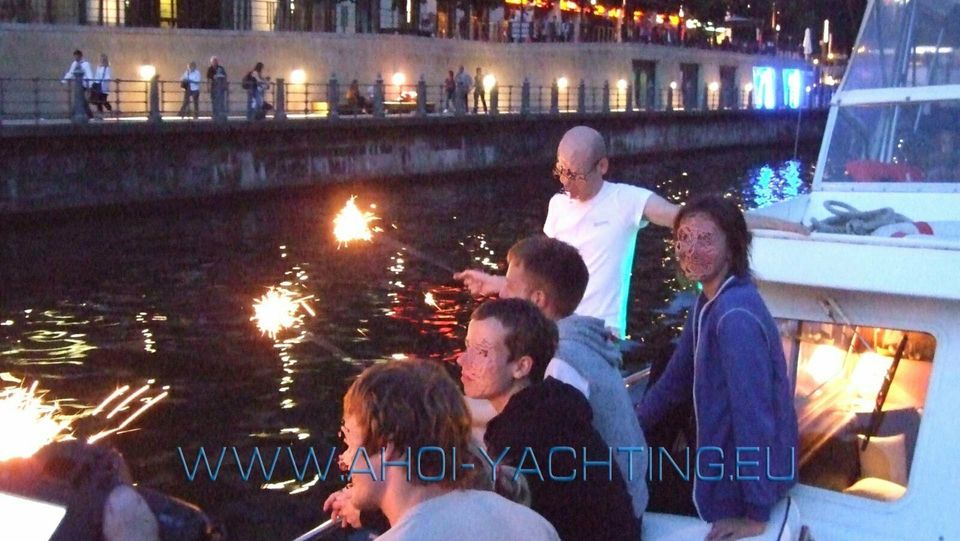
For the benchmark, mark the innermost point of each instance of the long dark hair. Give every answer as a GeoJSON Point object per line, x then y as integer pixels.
{"type": "Point", "coordinates": [729, 218]}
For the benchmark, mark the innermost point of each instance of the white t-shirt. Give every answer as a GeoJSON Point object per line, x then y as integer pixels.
{"type": "Point", "coordinates": [470, 515]}
{"type": "Point", "coordinates": [604, 231]}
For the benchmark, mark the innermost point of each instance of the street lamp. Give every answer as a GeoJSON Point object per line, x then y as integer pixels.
{"type": "Point", "coordinates": [147, 71]}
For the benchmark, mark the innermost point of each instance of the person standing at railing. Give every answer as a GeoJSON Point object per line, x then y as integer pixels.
{"type": "Point", "coordinates": [100, 87]}
{"type": "Point", "coordinates": [81, 65]}
{"type": "Point", "coordinates": [479, 91]}
{"type": "Point", "coordinates": [463, 89]}
{"type": "Point", "coordinates": [190, 83]}
{"type": "Point", "coordinates": [449, 86]}
{"type": "Point", "coordinates": [217, 76]}
{"type": "Point", "coordinates": [255, 85]}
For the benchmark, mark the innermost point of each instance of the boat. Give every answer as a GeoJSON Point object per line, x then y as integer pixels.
{"type": "Point", "coordinates": [870, 322]}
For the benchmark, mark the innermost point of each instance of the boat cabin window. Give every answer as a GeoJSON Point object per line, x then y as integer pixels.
{"type": "Point", "coordinates": [907, 43]}
{"type": "Point", "coordinates": [904, 142]}
{"type": "Point", "coordinates": [902, 45]}
{"type": "Point", "coordinates": [860, 393]}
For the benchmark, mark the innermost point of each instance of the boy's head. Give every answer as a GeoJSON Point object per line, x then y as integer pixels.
{"type": "Point", "coordinates": [547, 272]}
{"type": "Point", "coordinates": [509, 344]}
{"type": "Point", "coordinates": [396, 406]}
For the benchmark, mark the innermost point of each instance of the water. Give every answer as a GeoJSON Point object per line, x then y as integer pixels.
{"type": "Point", "coordinates": [166, 297]}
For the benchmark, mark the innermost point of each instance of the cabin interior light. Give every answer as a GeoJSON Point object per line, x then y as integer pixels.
{"type": "Point", "coordinates": [298, 76]}
{"type": "Point", "coordinates": [714, 86]}
{"type": "Point", "coordinates": [147, 71]}
{"type": "Point", "coordinates": [673, 85]}
{"type": "Point", "coordinates": [622, 84]}
{"type": "Point", "coordinates": [562, 83]}
{"type": "Point", "coordinates": [398, 78]}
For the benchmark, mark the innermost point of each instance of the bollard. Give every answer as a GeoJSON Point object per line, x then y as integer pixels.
{"type": "Point", "coordinates": [628, 99]}
{"type": "Point", "coordinates": [333, 97]}
{"type": "Point", "coordinates": [582, 97]}
{"type": "Point", "coordinates": [554, 98]}
{"type": "Point", "coordinates": [605, 97]}
{"type": "Point", "coordinates": [154, 115]}
{"type": "Point", "coordinates": [494, 99]}
{"type": "Point", "coordinates": [525, 97]}
{"type": "Point", "coordinates": [79, 115]}
{"type": "Point", "coordinates": [378, 97]}
{"type": "Point", "coordinates": [422, 96]}
{"type": "Point", "coordinates": [280, 100]}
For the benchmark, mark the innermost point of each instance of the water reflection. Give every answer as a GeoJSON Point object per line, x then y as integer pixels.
{"type": "Point", "coordinates": [769, 185]}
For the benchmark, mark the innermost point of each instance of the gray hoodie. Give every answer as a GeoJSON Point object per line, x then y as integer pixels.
{"type": "Point", "coordinates": [588, 347]}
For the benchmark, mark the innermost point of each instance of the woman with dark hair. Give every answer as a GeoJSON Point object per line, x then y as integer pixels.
{"type": "Point", "coordinates": [730, 360]}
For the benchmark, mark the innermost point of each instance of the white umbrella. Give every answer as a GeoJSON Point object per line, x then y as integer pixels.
{"type": "Point", "coordinates": [807, 43]}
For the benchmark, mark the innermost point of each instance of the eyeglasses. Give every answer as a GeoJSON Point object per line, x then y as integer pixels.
{"type": "Point", "coordinates": [562, 173]}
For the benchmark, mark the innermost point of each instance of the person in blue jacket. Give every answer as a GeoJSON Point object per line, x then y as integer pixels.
{"type": "Point", "coordinates": [731, 359]}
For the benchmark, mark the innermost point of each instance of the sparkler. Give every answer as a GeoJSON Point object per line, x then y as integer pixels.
{"type": "Point", "coordinates": [353, 224]}
{"type": "Point", "coordinates": [430, 301]}
{"type": "Point", "coordinates": [32, 423]}
{"type": "Point", "coordinates": [29, 422]}
{"type": "Point", "coordinates": [279, 309]}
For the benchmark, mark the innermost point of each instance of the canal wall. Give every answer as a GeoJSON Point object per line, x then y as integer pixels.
{"type": "Point", "coordinates": [65, 167]}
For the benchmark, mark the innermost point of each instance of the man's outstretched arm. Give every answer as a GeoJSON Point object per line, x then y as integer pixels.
{"type": "Point", "coordinates": [479, 283]}
{"type": "Point", "coordinates": [662, 212]}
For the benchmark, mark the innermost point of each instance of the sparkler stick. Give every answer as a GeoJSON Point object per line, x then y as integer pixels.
{"type": "Point", "coordinates": [352, 224]}
{"type": "Point", "coordinates": [323, 529]}
{"type": "Point", "coordinates": [423, 256]}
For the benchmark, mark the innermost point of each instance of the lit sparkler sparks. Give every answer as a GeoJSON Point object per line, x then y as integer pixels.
{"type": "Point", "coordinates": [353, 224]}
{"type": "Point", "coordinates": [429, 300]}
{"type": "Point", "coordinates": [32, 423]}
{"type": "Point", "coordinates": [279, 309]}
{"type": "Point", "coordinates": [29, 423]}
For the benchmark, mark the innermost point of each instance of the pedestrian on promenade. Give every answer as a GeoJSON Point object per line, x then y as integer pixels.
{"type": "Point", "coordinates": [80, 64]}
{"type": "Point", "coordinates": [190, 83]}
{"type": "Point", "coordinates": [479, 91]}
{"type": "Point", "coordinates": [255, 85]}
{"type": "Point", "coordinates": [449, 86]}
{"type": "Point", "coordinates": [100, 87]}
{"type": "Point", "coordinates": [463, 88]}
{"type": "Point", "coordinates": [217, 77]}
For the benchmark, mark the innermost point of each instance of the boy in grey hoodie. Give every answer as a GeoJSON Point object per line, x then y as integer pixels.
{"type": "Point", "coordinates": [552, 275]}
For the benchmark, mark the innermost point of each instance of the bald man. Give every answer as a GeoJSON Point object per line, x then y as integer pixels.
{"type": "Point", "coordinates": [601, 219]}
